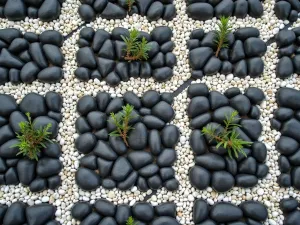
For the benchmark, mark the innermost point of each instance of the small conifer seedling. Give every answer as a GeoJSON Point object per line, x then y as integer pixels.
{"type": "Point", "coordinates": [121, 121]}
{"type": "Point", "coordinates": [32, 140]}
{"type": "Point", "coordinates": [221, 38]}
{"type": "Point", "coordinates": [130, 221]}
{"type": "Point", "coordinates": [229, 137]}
{"type": "Point", "coordinates": [130, 4]}
{"type": "Point", "coordinates": [136, 48]}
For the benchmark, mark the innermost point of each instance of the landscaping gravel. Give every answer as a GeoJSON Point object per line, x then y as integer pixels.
{"type": "Point", "coordinates": [267, 191]}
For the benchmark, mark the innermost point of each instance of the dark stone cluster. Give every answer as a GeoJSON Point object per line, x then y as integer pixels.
{"type": "Point", "coordinates": [289, 206]}
{"type": "Point", "coordinates": [213, 166]}
{"type": "Point", "coordinates": [105, 212]}
{"type": "Point", "coordinates": [20, 213]}
{"type": "Point", "coordinates": [16, 168]}
{"type": "Point", "coordinates": [45, 10]}
{"type": "Point", "coordinates": [101, 55]}
{"type": "Point", "coordinates": [287, 9]}
{"type": "Point", "coordinates": [207, 9]}
{"type": "Point", "coordinates": [147, 160]}
{"type": "Point", "coordinates": [248, 212]}
{"type": "Point", "coordinates": [287, 120]}
{"type": "Point", "coordinates": [110, 9]}
{"type": "Point", "coordinates": [25, 58]}
{"type": "Point", "coordinates": [288, 42]}
{"type": "Point", "coordinates": [242, 57]}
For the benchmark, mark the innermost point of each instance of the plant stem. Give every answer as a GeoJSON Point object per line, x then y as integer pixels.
{"type": "Point", "coordinates": [219, 48]}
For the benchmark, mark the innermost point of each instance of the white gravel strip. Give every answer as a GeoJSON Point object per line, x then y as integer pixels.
{"type": "Point", "coordinates": [267, 191]}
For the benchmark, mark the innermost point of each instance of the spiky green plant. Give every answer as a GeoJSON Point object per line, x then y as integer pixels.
{"type": "Point", "coordinates": [32, 140]}
{"type": "Point", "coordinates": [229, 137]}
{"type": "Point", "coordinates": [136, 49]}
{"type": "Point", "coordinates": [121, 121]}
{"type": "Point", "coordinates": [130, 4]}
{"type": "Point", "coordinates": [221, 38]}
{"type": "Point", "coordinates": [130, 221]}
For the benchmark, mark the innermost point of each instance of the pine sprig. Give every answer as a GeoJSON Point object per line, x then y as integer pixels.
{"type": "Point", "coordinates": [121, 121]}
{"type": "Point", "coordinates": [129, 4]}
{"type": "Point", "coordinates": [32, 140]}
{"type": "Point", "coordinates": [130, 221]}
{"type": "Point", "coordinates": [229, 137]}
{"type": "Point", "coordinates": [136, 49]}
{"type": "Point", "coordinates": [221, 38]}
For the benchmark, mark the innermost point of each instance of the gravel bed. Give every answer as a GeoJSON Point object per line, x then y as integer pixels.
{"type": "Point", "coordinates": [106, 212]}
{"type": "Point", "coordinates": [21, 213]}
{"type": "Point", "coordinates": [101, 56]}
{"type": "Point", "coordinates": [267, 191]}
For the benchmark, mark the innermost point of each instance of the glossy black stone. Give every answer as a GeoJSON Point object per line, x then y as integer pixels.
{"type": "Point", "coordinates": [223, 212]}
{"type": "Point", "coordinates": [143, 212]}
{"type": "Point", "coordinates": [242, 57]}
{"type": "Point", "coordinates": [145, 159]}
{"type": "Point", "coordinates": [214, 165]}
{"type": "Point", "coordinates": [96, 55]}
{"type": "Point", "coordinates": [19, 168]}
{"type": "Point", "coordinates": [39, 58]}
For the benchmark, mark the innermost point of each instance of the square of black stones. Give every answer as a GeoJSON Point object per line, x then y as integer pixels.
{"type": "Point", "coordinates": [287, 120]}
{"type": "Point", "coordinates": [16, 168]}
{"type": "Point", "coordinates": [242, 57]}
{"type": "Point", "coordinates": [16, 10]}
{"type": "Point", "coordinates": [147, 160]}
{"type": "Point", "coordinates": [101, 55]}
{"type": "Point", "coordinates": [105, 212]}
{"type": "Point", "coordinates": [214, 167]}
{"type": "Point", "coordinates": [207, 9]}
{"type": "Point", "coordinates": [110, 9]}
{"type": "Point", "coordinates": [29, 56]}
{"type": "Point", "coordinates": [287, 10]}
{"type": "Point", "coordinates": [288, 42]}
{"type": "Point", "coordinates": [291, 213]}
{"type": "Point", "coordinates": [248, 212]}
{"type": "Point", "coordinates": [21, 213]}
